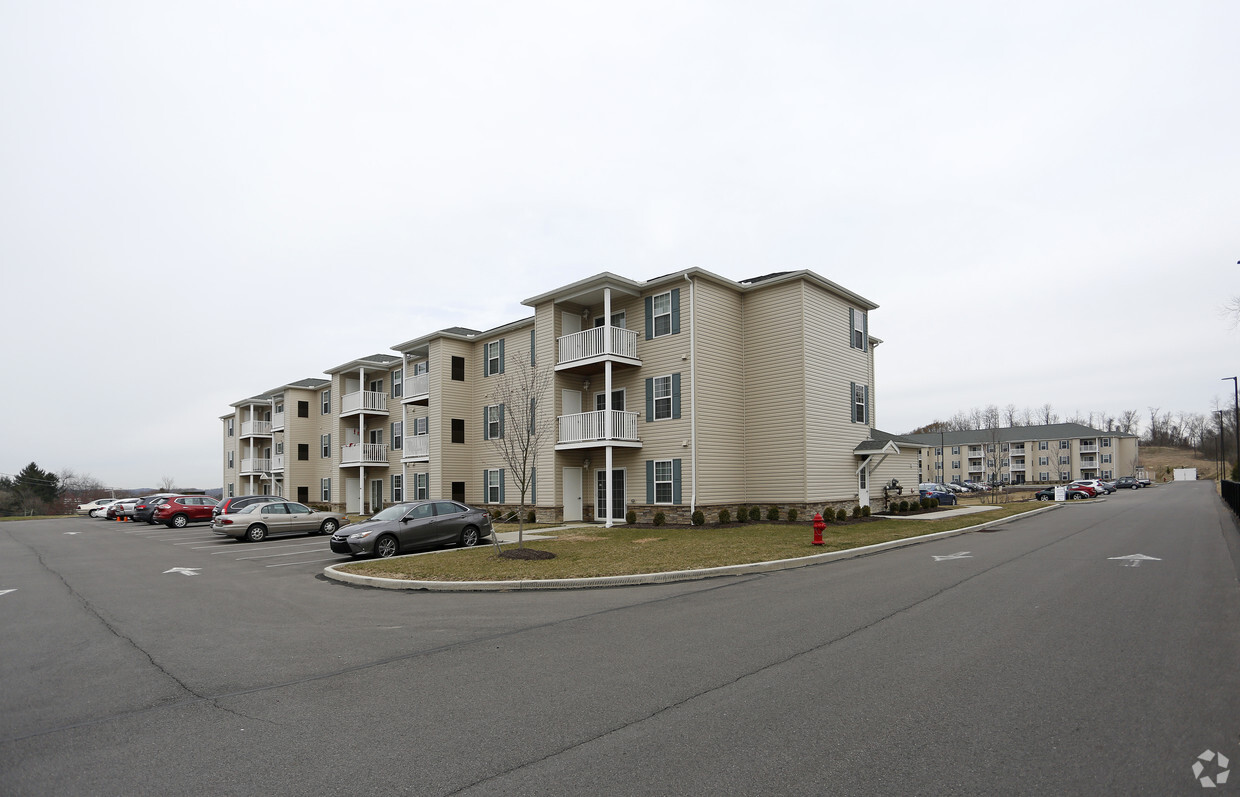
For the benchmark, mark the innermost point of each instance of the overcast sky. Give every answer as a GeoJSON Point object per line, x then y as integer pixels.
{"type": "Point", "coordinates": [201, 201]}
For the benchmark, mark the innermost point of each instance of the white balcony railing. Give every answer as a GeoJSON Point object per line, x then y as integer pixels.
{"type": "Point", "coordinates": [1089, 462]}
{"type": "Point", "coordinates": [363, 454]}
{"type": "Point", "coordinates": [1017, 466]}
{"type": "Point", "coordinates": [1017, 450]}
{"type": "Point", "coordinates": [255, 465]}
{"type": "Point", "coordinates": [976, 467]}
{"type": "Point", "coordinates": [416, 447]}
{"type": "Point", "coordinates": [277, 422]}
{"type": "Point", "coordinates": [277, 463]}
{"type": "Point", "coordinates": [256, 428]}
{"type": "Point", "coordinates": [416, 386]}
{"type": "Point", "coordinates": [1088, 449]}
{"type": "Point", "coordinates": [597, 342]}
{"type": "Point", "coordinates": [600, 425]}
{"type": "Point", "coordinates": [363, 401]}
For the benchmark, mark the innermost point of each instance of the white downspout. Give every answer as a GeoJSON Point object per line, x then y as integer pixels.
{"type": "Point", "coordinates": [692, 398]}
{"type": "Point", "coordinates": [607, 430]}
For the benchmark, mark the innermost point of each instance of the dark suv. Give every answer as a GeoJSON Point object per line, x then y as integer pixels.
{"type": "Point", "coordinates": [144, 510]}
{"type": "Point", "coordinates": [181, 510]}
{"type": "Point", "coordinates": [1127, 482]}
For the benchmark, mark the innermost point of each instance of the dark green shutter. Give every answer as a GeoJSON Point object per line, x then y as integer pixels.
{"type": "Point", "coordinates": [676, 495]}
{"type": "Point", "coordinates": [675, 311]}
{"type": "Point", "coordinates": [501, 417]}
{"type": "Point", "coordinates": [531, 347]}
{"type": "Point", "coordinates": [865, 332]}
{"type": "Point", "coordinates": [851, 323]}
{"type": "Point", "coordinates": [650, 481]}
{"type": "Point", "coordinates": [532, 400]}
{"type": "Point", "coordinates": [649, 400]}
{"type": "Point", "coordinates": [867, 404]}
{"type": "Point", "coordinates": [486, 488]}
{"type": "Point", "coordinates": [533, 485]}
{"type": "Point", "coordinates": [501, 485]}
{"type": "Point", "coordinates": [501, 358]}
{"type": "Point", "coordinates": [486, 424]}
{"type": "Point", "coordinates": [852, 402]}
{"type": "Point", "coordinates": [649, 317]}
{"type": "Point", "coordinates": [675, 395]}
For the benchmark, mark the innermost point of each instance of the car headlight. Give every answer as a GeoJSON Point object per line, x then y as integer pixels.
{"type": "Point", "coordinates": [361, 535]}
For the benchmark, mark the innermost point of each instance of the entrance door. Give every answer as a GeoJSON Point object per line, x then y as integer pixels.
{"type": "Point", "coordinates": [617, 505]}
{"type": "Point", "coordinates": [572, 493]}
{"type": "Point", "coordinates": [352, 495]}
{"type": "Point", "coordinates": [863, 488]}
{"type": "Point", "coordinates": [571, 399]}
{"type": "Point", "coordinates": [569, 323]}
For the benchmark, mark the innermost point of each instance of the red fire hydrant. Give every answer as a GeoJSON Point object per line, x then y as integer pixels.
{"type": "Point", "coordinates": [818, 528]}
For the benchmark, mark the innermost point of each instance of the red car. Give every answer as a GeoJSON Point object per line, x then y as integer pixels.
{"type": "Point", "coordinates": [181, 510]}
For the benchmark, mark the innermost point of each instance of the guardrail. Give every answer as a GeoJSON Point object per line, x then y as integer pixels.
{"type": "Point", "coordinates": [1231, 495]}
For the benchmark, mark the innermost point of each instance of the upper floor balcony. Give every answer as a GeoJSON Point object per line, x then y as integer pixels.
{"type": "Point", "coordinates": [363, 454]}
{"type": "Point", "coordinates": [1018, 464]}
{"type": "Point", "coordinates": [1088, 448]}
{"type": "Point", "coordinates": [596, 345]}
{"type": "Point", "coordinates": [277, 422]}
{"type": "Point", "coordinates": [362, 402]}
{"type": "Point", "coordinates": [1089, 462]}
{"type": "Point", "coordinates": [976, 467]}
{"type": "Point", "coordinates": [417, 389]}
{"type": "Point", "coordinates": [416, 448]}
{"type": "Point", "coordinates": [255, 466]}
{"type": "Point", "coordinates": [1017, 449]}
{"type": "Point", "coordinates": [256, 428]}
{"type": "Point", "coordinates": [277, 463]}
{"type": "Point", "coordinates": [598, 428]}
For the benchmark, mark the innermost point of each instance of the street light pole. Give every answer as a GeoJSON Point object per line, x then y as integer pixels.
{"type": "Point", "coordinates": [1222, 452]}
{"type": "Point", "coordinates": [1235, 383]}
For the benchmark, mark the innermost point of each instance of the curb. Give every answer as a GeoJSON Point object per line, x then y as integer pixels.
{"type": "Point", "coordinates": [659, 578]}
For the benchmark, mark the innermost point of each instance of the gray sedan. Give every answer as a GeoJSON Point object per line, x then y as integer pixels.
{"type": "Point", "coordinates": [421, 524]}
{"type": "Point", "coordinates": [256, 522]}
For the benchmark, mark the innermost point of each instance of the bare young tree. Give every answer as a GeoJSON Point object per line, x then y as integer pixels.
{"type": "Point", "coordinates": [167, 484]}
{"type": "Point", "coordinates": [1046, 414]}
{"type": "Point", "coordinates": [1129, 421]}
{"type": "Point", "coordinates": [527, 424]}
{"type": "Point", "coordinates": [1009, 415]}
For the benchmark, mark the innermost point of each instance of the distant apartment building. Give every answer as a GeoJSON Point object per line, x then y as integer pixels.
{"type": "Point", "coordinates": [688, 391]}
{"type": "Point", "coordinates": [1059, 452]}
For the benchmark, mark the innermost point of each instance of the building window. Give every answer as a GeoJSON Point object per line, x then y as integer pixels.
{"type": "Point", "coordinates": [1063, 444]}
{"type": "Point", "coordinates": [858, 329]}
{"type": "Point", "coordinates": [325, 490]}
{"type": "Point", "coordinates": [1043, 445]}
{"type": "Point", "coordinates": [1044, 461]}
{"type": "Point", "coordinates": [280, 447]}
{"type": "Point", "coordinates": [1106, 459]}
{"type": "Point", "coordinates": [1044, 476]}
{"type": "Point", "coordinates": [956, 464]}
{"type": "Point", "coordinates": [398, 429]}
{"type": "Point", "coordinates": [1063, 460]}
{"type": "Point", "coordinates": [661, 308]}
{"type": "Point", "coordinates": [230, 459]}
{"type": "Point", "coordinates": [230, 489]}
{"type": "Point", "coordinates": [1106, 442]}
{"type": "Point", "coordinates": [662, 481]}
{"type": "Point", "coordinates": [938, 452]}
{"type": "Point", "coordinates": [860, 403]}
{"type": "Point", "coordinates": [229, 425]}
{"type": "Point", "coordinates": [458, 430]}
{"type": "Point", "coordinates": [955, 450]}
{"type": "Point", "coordinates": [662, 397]}
{"type": "Point", "coordinates": [325, 446]}
{"type": "Point", "coordinates": [493, 422]}
{"type": "Point", "coordinates": [398, 383]}
{"type": "Point", "coordinates": [325, 402]}
{"type": "Point", "coordinates": [376, 386]}
{"type": "Point", "coordinates": [494, 363]}
{"type": "Point", "coordinates": [421, 486]}
{"type": "Point", "coordinates": [1106, 474]}
{"type": "Point", "coordinates": [398, 488]}
{"type": "Point", "coordinates": [458, 369]}
{"type": "Point", "coordinates": [421, 424]}
{"type": "Point", "coordinates": [303, 451]}
{"type": "Point", "coordinates": [495, 486]}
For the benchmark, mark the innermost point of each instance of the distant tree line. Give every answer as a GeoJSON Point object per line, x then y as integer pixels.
{"type": "Point", "coordinates": [34, 491]}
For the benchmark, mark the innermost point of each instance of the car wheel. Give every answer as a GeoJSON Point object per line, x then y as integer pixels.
{"type": "Point", "coordinates": [1044, 498]}
{"type": "Point", "coordinates": [386, 546]}
{"type": "Point", "coordinates": [92, 513]}
{"type": "Point", "coordinates": [1136, 487]}
{"type": "Point", "coordinates": [256, 533]}
{"type": "Point", "coordinates": [180, 521]}
{"type": "Point", "coordinates": [469, 537]}
{"type": "Point", "coordinates": [329, 527]}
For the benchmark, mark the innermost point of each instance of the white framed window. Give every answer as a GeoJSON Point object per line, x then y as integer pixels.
{"type": "Point", "coordinates": [398, 383]}
{"type": "Point", "coordinates": [859, 404]}
{"type": "Point", "coordinates": [1044, 476]}
{"type": "Point", "coordinates": [325, 403]}
{"type": "Point", "coordinates": [494, 363]}
{"type": "Point", "coordinates": [1004, 448]}
{"type": "Point", "coordinates": [418, 368]}
{"type": "Point", "coordinates": [494, 484]}
{"type": "Point", "coordinates": [376, 386]}
{"type": "Point", "coordinates": [1044, 461]}
{"type": "Point", "coordinates": [662, 397]}
{"type": "Point", "coordinates": [279, 407]}
{"type": "Point", "coordinates": [398, 428]}
{"type": "Point", "coordinates": [1063, 460]}
{"type": "Point", "coordinates": [420, 425]}
{"type": "Point", "coordinates": [325, 490]}
{"type": "Point", "coordinates": [956, 450]}
{"type": "Point", "coordinates": [494, 422]}
{"type": "Point", "coordinates": [858, 328]}
{"type": "Point", "coordinates": [374, 436]}
{"type": "Point", "coordinates": [1063, 444]}
{"type": "Point", "coordinates": [230, 489]}
{"type": "Point", "coordinates": [1106, 474]}
{"type": "Point", "coordinates": [662, 312]}
{"type": "Point", "coordinates": [279, 446]}
{"type": "Point", "coordinates": [1043, 445]}
{"type": "Point", "coordinates": [230, 459]}
{"type": "Point", "coordinates": [398, 488]}
{"type": "Point", "coordinates": [1106, 442]}
{"type": "Point", "coordinates": [662, 481]}
{"type": "Point", "coordinates": [421, 486]}
{"type": "Point", "coordinates": [956, 464]}
{"type": "Point", "coordinates": [229, 425]}
{"type": "Point", "coordinates": [617, 320]}
{"type": "Point", "coordinates": [1106, 459]}
{"type": "Point", "coordinates": [617, 400]}
{"type": "Point", "coordinates": [325, 446]}
{"type": "Point", "coordinates": [938, 452]}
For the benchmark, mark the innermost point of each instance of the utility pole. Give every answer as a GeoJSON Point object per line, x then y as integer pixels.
{"type": "Point", "coordinates": [1235, 383]}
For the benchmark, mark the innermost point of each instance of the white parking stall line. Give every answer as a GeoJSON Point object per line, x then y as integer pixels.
{"type": "Point", "coordinates": [310, 562]}
{"type": "Point", "coordinates": [271, 555]}
{"type": "Point", "coordinates": [216, 540]}
{"type": "Point", "coordinates": [275, 547]}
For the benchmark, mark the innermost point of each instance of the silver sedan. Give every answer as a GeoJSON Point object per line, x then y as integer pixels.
{"type": "Point", "coordinates": [257, 522]}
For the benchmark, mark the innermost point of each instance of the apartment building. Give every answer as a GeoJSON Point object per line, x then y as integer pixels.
{"type": "Point", "coordinates": [1051, 453]}
{"type": "Point", "coordinates": [688, 391]}
{"type": "Point", "coordinates": [269, 440]}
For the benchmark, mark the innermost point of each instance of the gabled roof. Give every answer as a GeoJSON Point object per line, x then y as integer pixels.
{"type": "Point", "coordinates": [1012, 434]}
{"type": "Point", "coordinates": [880, 440]}
{"type": "Point", "coordinates": [373, 361]}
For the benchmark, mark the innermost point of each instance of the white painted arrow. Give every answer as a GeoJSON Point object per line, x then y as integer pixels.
{"type": "Point", "coordinates": [7, 591]}
{"type": "Point", "coordinates": [72, 532]}
{"type": "Point", "coordinates": [961, 555]}
{"type": "Point", "coordinates": [1135, 559]}
{"type": "Point", "coordinates": [189, 571]}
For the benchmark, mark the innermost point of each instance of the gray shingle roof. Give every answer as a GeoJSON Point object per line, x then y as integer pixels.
{"type": "Point", "coordinates": [1012, 434]}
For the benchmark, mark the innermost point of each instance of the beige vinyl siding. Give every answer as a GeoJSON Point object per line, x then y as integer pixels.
{"type": "Point", "coordinates": [721, 412]}
{"type": "Point", "coordinates": [775, 410]}
{"type": "Point", "coordinates": [548, 481]}
{"type": "Point", "coordinates": [230, 445]}
{"type": "Point", "coordinates": [450, 399]}
{"type": "Point", "coordinates": [665, 438]}
{"type": "Point", "coordinates": [830, 367]}
{"type": "Point", "coordinates": [902, 466]}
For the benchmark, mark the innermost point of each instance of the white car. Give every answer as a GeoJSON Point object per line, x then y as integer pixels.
{"type": "Point", "coordinates": [1100, 488]}
{"type": "Point", "coordinates": [101, 511]}
{"type": "Point", "coordinates": [957, 488]}
{"type": "Point", "coordinates": [89, 507]}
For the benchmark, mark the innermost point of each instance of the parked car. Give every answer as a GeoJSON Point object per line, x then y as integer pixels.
{"type": "Point", "coordinates": [420, 524]}
{"type": "Point", "coordinates": [957, 488]}
{"type": "Point", "coordinates": [258, 521]}
{"type": "Point", "coordinates": [121, 508]}
{"type": "Point", "coordinates": [1073, 494]}
{"type": "Point", "coordinates": [977, 487]}
{"type": "Point", "coordinates": [1144, 481]}
{"type": "Point", "coordinates": [144, 510]}
{"type": "Point", "coordinates": [946, 497]}
{"type": "Point", "coordinates": [102, 511]}
{"type": "Point", "coordinates": [237, 502]}
{"type": "Point", "coordinates": [179, 511]}
{"type": "Point", "coordinates": [1098, 486]}
{"type": "Point", "coordinates": [90, 507]}
{"type": "Point", "coordinates": [1127, 483]}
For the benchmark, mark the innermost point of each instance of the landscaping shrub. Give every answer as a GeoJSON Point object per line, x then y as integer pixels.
{"type": "Point", "coordinates": [755, 514]}
{"type": "Point", "coordinates": [841, 515]}
{"type": "Point", "coordinates": [659, 519]}
{"type": "Point", "coordinates": [904, 506]}
{"type": "Point", "coordinates": [630, 516]}
{"type": "Point", "coordinates": [865, 511]}
{"type": "Point", "coordinates": [772, 513]}
{"type": "Point", "coordinates": [792, 515]}
{"type": "Point", "coordinates": [856, 511]}
{"type": "Point", "coordinates": [742, 514]}
{"type": "Point", "coordinates": [934, 502]}
{"type": "Point", "coordinates": [531, 517]}
{"type": "Point", "coordinates": [698, 518]}
{"type": "Point", "coordinates": [725, 516]}
{"type": "Point", "coordinates": [924, 503]}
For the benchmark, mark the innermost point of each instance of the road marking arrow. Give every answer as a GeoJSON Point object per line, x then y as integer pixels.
{"type": "Point", "coordinates": [7, 591]}
{"type": "Point", "coordinates": [960, 555]}
{"type": "Point", "coordinates": [1135, 559]}
{"type": "Point", "coordinates": [72, 532]}
{"type": "Point", "coordinates": [189, 571]}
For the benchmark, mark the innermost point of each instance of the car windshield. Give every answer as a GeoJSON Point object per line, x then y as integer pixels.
{"type": "Point", "coordinates": [395, 512]}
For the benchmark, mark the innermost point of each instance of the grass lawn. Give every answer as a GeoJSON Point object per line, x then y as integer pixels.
{"type": "Point", "coordinates": [594, 552]}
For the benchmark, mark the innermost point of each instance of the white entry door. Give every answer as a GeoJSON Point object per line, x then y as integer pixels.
{"type": "Point", "coordinates": [569, 323]}
{"type": "Point", "coordinates": [571, 399]}
{"type": "Point", "coordinates": [572, 494]}
{"type": "Point", "coordinates": [352, 495]}
{"type": "Point", "coordinates": [863, 488]}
